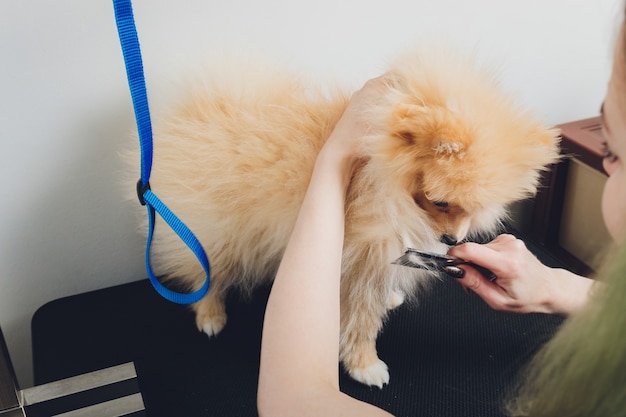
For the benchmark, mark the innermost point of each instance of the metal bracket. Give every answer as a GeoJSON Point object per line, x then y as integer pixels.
{"type": "Point", "coordinates": [110, 392]}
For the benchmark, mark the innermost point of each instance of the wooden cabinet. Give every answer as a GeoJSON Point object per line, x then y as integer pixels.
{"type": "Point", "coordinates": [566, 217]}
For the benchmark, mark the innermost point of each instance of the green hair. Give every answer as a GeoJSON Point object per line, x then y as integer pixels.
{"type": "Point", "coordinates": [582, 370]}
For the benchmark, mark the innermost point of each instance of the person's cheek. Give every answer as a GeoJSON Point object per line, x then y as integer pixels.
{"type": "Point", "coordinates": [607, 166]}
{"type": "Point", "coordinates": [614, 205]}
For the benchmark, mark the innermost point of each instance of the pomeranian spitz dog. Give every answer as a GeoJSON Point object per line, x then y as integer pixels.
{"type": "Point", "coordinates": [448, 151]}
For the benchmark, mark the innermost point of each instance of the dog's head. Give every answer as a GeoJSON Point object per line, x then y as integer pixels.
{"type": "Point", "coordinates": [457, 146]}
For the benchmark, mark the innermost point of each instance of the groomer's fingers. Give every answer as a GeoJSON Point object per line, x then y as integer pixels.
{"type": "Point", "coordinates": [494, 295]}
{"type": "Point", "coordinates": [500, 256]}
{"type": "Point", "coordinates": [482, 255]}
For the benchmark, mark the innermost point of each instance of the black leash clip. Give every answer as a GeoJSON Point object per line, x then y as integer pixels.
{"type": "Point", "coordinates": [141, 190]}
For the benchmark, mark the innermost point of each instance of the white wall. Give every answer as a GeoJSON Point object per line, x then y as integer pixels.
{"type": "Point", "coordinates": [65, 109]}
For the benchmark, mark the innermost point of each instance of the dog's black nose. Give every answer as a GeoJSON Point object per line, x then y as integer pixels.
{"type": "Point", "coordinates": [448, 239]}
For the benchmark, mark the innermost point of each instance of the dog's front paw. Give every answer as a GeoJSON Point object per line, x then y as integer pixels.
{"type": "Point", "coordinates": [395, 299]}
{"type": "Point", "coordinates": [376, 374]}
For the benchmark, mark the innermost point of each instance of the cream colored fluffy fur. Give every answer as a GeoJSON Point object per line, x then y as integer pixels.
{"type": "Point", "coordinates": [234, 156]}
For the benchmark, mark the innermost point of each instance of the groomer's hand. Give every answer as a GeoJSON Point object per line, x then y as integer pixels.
{"type": "Point", "coordinates": [523, 284]}
{"type": "Point", "coordinates": [355, 123]}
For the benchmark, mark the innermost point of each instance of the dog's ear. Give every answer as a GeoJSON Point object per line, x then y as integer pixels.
{"type": "Point", "coordinates": [542, 146]}
{"type": "Point", "coordinates": [432, 130]}
{"type": "Point", "coordinates": [407, 121]}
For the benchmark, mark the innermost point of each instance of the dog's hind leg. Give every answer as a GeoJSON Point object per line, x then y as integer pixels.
{"type": "Point", "coordinates": [211, 312]}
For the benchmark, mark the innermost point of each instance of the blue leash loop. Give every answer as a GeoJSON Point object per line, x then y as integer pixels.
{"type": "Point", "coordinates": [134, 70]}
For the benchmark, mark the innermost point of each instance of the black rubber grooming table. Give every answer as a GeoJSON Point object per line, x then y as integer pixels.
{"type": "Point", "coordinates": [448, 355]}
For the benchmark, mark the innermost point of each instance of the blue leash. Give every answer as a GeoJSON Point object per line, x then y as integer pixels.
{"type": "Point", "coordinates": [134, 71]}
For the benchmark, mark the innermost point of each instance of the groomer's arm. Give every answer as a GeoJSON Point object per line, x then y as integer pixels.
{"type": "Point", "coordinates": [299, 374]}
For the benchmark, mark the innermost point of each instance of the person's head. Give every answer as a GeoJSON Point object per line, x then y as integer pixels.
{"type": "Point", "coordinates": [614, 129]}
{"type": "Point", "coordinates": [580, 372]}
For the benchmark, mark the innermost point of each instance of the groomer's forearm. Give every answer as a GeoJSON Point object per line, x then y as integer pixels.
{"type": "Point", "coordinates": [301, 330]}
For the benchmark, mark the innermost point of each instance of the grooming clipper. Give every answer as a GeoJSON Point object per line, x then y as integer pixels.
{"type": "Point", "coordinates": [436, 262]}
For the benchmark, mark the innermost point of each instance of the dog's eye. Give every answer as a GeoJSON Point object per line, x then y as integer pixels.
{"type": "Point", "coordinates": [442, 206]}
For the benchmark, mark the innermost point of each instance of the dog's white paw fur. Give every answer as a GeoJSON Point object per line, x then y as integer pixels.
{"type": "Point", "coordinates": [376, 374]}
{"type": "Point", "coordinates": [212, 326]}
{"type": "Point", "coordinates": [395, 299]}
